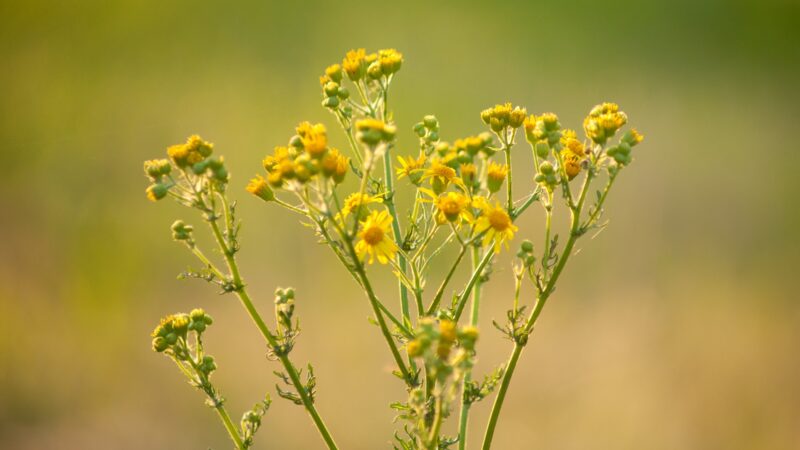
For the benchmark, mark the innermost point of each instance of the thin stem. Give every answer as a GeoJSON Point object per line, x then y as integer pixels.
{"type": "Point", "coordinates": [440, 292]}
{"type": "Point", "coordinates": [374, 302]}
{"type": "Point", "coordinates": [463, 418]}
{"type": "Point", "coordinates": [232, 431]}
{"type": "Point", "coordinates": [576, 210]}
{"type": "Point", "coordinates": [241, 292]}
{"type": "Point", "coordinates": [509, 192]}
{"type": "Point", "coordinates": [462, 299]}
{"type": "Point", "coordinates": [433, 438]}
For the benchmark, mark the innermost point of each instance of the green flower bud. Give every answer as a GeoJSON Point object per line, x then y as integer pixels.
{"type": "Point", "coordinates": [433, 136]}
{"type": "Point", "coordinates": [343, 93]}
{"type": "Point", "coordinates": [546, 168]}
{"type": "Point", "coordinates": [374, 70]}
{"type": "Point", "coordinates": [159, 344]}
{"type": "Point", "coordinates": [331, 102]}
{"type": "Point", "coordinates": [331, 88]}
{"type": "Point", "coordinates": [431, 122]}
{"type": "Point", "coordinates": [526, 246]}
{"type": "Point", "coordinates": [542, 149]}
{"type": "Point", "coordinates": [156, 191]}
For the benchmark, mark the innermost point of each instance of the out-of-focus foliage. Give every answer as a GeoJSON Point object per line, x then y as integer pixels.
{"type": "Point", "coordinates": [687, 337]}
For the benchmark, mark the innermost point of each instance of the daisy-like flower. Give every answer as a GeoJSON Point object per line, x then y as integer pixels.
{"type": "Point", "coordinates": [495, 221]}
{"type": "Point", "coordinates": [354, 201]}
{"type": "Point", "coordinates": [411, 168]}
{"type": "Point", "coordinates": [450, 206]}
{"type": "Point", "coordinates": [375, 238]}
{"type": "Point", "coordinates": [259, 187]}
{"type": "Point", "coordinates": [441, 175]}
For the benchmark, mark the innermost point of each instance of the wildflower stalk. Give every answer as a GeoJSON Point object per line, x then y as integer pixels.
{"type": "Point", "coordinates": [463, 418]}
{"type": "Point", "coordinates": [244, 297]}
{"type": "Point", "coordinates": [540, 302]}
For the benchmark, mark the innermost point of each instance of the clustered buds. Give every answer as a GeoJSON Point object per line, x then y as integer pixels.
{"type": "Point", "coordinates": [622, 151]}
{"type": "Point", "coordinates": [603, 121]}
{"type": "Point", "coordinates": [170, 335]}
{"type": "Point", "coordinates": [182, 232]}
{"type": "Point", "coordinates": [307, 157]}
{"type": "Point", "coordinates": [501, 117]}
{"type": "Point", "coordinates": [435, 341]}
{"type": "Point", "coordinates": [372, 132]}
{"type": "Point", "coordinates": [192, 158]}
{"type": "Point", "coordinates": [525, 254]}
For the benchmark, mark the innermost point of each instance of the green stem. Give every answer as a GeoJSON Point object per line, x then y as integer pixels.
{"type": "Point", "coordinates": [440, 292]}
{"type": "Point", "coordinates": [543, 296]}
{"type": "Point", "coordinates": [271, 341]}
{"type": "Point", "coordinates": [509, 192]}
{"type": "Point", "coordinates": [232, 431]}
{"type": "Point", "coordinates": [374, 302]}
{"type": "Point", "coordinates": [462, 299]}
{"type": "Point", "coordinates": [463, 419]}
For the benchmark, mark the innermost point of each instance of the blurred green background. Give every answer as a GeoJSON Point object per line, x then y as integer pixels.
{"type": "Point", "coordinates": [675, 328]}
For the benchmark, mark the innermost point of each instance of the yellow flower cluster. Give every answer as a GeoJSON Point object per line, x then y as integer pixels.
{"type": "Point", "coordinates": [603, 121]}
{"type": "Point", "coordinates": [502, 116]}
{"type": "Point", "coordinates": [543, 130]}
{"type": "Point", "coordinates": [358, 66]}
{"type": "Point", "coordinates": [307, 157]}
{"type": "Point", "coordinates": [373, 131]}
{"type": "Point", "coordinates": [572, 153]}
{"type": "Point", "coordinates": [192, 157]}
{"type": "Point", "coordinates": [192, 152]}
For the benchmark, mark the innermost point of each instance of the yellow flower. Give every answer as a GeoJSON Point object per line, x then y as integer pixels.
{"type": "Point", "coordinates": [572, 163]}
{"type": "Point", "coordinates": [411, 168]}
{"type": "Point", "coordinates": [390, 60]}
{"type": "Point", "coordinates": [495, 175]}
{"type": "Point", "coordinates": [333, 73]}
{"type": "Point", "coordinates": [468, 173]}
{"type": "Point", "coordinates": [259, 187]}
{"type": "Point", "coordinates": [451, 206]}
{"type": "Point", "coordinates": [375, 239]}
{"type": "Point", "coordinates": [440, 175]}
{"type": "Point", "coordinates": [335, 165]}
{"type": "Point", "coordinates": [570, 142]}
{"type": "Point", "coordinates": [603, 121]}
{"type": "Point", "coordinates": [354, 64]}
{"type": "Point", "coordinates": [314, 138]}
{"type": "Point", "coordinates": [355, 201]}
{"type": "Point", "coordinates": [280, 154]}
{"type": "Point", "coordinates": [372, 131]}
{"type": "Point", "coordinates": [495, 221]}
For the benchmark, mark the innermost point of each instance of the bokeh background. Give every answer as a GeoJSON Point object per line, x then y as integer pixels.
{"type": "Point", "coordinates": [677, 327]}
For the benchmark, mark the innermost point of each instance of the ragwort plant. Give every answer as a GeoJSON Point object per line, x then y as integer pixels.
{"type": "Point", "coordinates": [465, 198]}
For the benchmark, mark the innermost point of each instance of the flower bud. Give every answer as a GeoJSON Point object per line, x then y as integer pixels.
{"type": "Point", "coordinates": [159, 344]}
{"type": "Point", "coordinates": [526, 246]}
{"type": "Point", "coordinates": [334, 72]}
{"type": "Point", "coordinates": [181, 231]}
{"type": "Point", "coordinates": [343, 93]}
{"type": "Point", "coordinates": [331, 88]}
{"type": "Point", "coordinates": [431, 122]}
{"type": "Point", "coordinates": [156, 191]}
{"type": "Point", "coordinates": [331, 102]}
{"type": "Point", "coordinates": [542, 149]}
{"type": "Point", "coordinates": [156, 168]}
{"type": "Point", "coordinates": [259, 187]}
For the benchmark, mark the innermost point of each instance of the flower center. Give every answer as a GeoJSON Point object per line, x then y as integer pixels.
{"type": "Point", "coordinates": [373, 235]}
{"type": "Point", "coordinates": [450, 206]}
{"type": "Point", "coordinates": [499, 220]}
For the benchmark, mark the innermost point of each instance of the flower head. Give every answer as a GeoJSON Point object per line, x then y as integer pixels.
{"type": "Point", "coordinates": [335, 165]}
{"type": "Point", "coordinates": [375, 239]}
{"type": "Point", "coordinates": [495, 221]}
{"type": "Point", "coordinates": [450, 207]}
{"type": "Point", "coordinates": [354, 64]}
{"type": "Point", "coordinates": [355, 202]}
{"type": "Point", "coordinates": [390, 60]}
{"type": "Point", "coordinates": [314, 138]}
{"type": "Point", "coordinates": [411, 168]}
{"type": "Point", "coordinates": [603, 121]}
{"type": "Point", "coordinates": [440, 176]}
{"type": "Point", "coordinates": [259, 187]}
{"type": "Point", "coordinates": [495, 176]}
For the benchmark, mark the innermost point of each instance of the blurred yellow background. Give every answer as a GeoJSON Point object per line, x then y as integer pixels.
{"type": "Point", "coordinates": [677, 327]}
